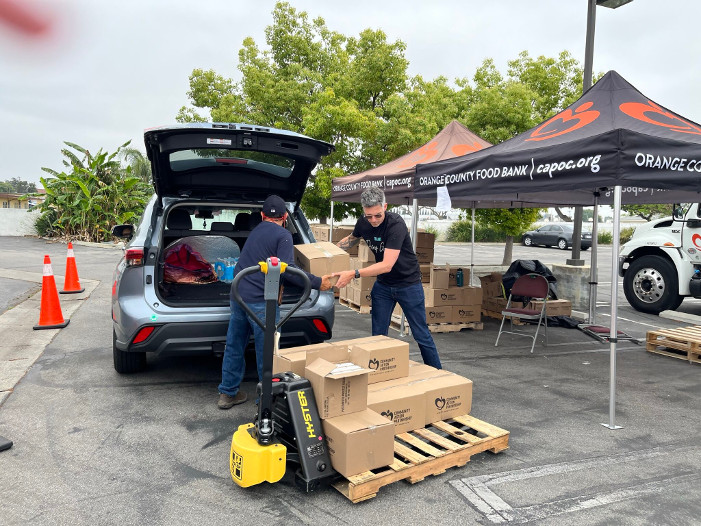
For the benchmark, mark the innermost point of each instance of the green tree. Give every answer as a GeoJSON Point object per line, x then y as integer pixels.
{"type": "Point", "coordinates": [648, 212]}
{"type": "Point", "coordinates": [91, 195]}
{"type": "Point", "coordinates": [18, 186]}
{"type": "Point", "coordinates": [510, 222]}
{"type": "Point", "coordinates": [138, 162]}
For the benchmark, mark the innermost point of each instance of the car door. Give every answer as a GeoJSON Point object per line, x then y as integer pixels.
{"type": "Point", "coordinates": [540, 236]}
{"type": "Point", "coordinates": [553, 235]}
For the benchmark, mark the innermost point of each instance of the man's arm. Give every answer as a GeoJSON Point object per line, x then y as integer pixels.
{"type": "Point", "coordinates": [348, 242]}
{"type": "Point", "coordinates": [384, 266]}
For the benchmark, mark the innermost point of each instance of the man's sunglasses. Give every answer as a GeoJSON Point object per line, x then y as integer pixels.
{"type": "Point", "coordinates": [376, 216]}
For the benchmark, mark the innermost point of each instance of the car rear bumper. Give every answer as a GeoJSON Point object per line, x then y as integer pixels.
{"type": "Point", "coordinates": [209, 337]}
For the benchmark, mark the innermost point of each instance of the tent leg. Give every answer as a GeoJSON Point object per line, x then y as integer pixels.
{"type": "Point", "coordinates": [331, 224]}
{"type": "Point", "coordinates": [414, 237]}
{"type": "Point", "coordinates": [593, 261]}
{"type": "Point", "coordinates": [472, 249]}
{"type": "Point", "coordinates": [613, 331]}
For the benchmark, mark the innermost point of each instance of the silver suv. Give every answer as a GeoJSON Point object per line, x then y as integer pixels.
{"type": "Point", "coordinates": [171, 288]}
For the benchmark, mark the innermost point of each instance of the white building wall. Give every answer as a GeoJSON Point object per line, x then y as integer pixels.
{"type": "Point", "coordinates": [18, 222]}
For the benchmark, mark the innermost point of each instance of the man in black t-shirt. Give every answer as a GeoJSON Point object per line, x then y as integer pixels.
{"type": "Point", "coordinates": [396, 268]}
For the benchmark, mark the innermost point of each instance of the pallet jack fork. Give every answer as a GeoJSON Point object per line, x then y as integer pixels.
{"type": "Point", "coordinates": [603, 334]}
{"type": "Point", "coordinates": [287, 426]}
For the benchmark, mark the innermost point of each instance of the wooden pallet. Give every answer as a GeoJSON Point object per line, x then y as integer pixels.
{"type": "Point", "coordinates": [362, 309]}
{"type": "Point", "coordinates": [497, 315]}
{"type": "Point", "coordinates": [683, 343]}
{"type": "Point", "coordinates": [428, 451]}
{"type": "Point", "coordinates": [440, 327]}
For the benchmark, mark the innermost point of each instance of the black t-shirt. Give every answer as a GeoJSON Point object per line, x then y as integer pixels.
{"type": "Point", "coordinates": [392, 233]}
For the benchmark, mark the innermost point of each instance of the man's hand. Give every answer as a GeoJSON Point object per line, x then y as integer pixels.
{"type": "Point", "coordinates": [344, 277]}
{"type": "Point", "coordinates": [326, 282]}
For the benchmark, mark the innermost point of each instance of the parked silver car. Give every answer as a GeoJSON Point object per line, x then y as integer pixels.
{"type": "Point", "coordinates": [171, 289]}
{"type": "Point", "coordinates": [559, 236]}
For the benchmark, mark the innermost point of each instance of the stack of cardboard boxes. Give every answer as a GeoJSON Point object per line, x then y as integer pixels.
{"type": "Point", "coordinates": [363, 407]}
{"type": "Point", "coordinates": [358, 290]}
{"type": "Point", "coordinates": [445, 301]}
{"type": "Point", "coordinates": [494, 299]}
{"type": "Point", "coordinates": [321, 233]}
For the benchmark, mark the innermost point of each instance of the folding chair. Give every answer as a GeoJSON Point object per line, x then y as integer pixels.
{"type": "Point", "coordinates": [532, 287]}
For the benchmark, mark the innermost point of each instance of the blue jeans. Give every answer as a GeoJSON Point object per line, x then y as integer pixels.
{"type": "Point", "coordinates": [233, 365]}
{"type": "Point", "coordinates": [411, 300]}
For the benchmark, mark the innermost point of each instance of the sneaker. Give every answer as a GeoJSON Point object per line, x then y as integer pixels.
{"type": "Point", "coordinates": [227, 402]}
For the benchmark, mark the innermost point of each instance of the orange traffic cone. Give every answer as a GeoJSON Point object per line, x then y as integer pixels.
{"type": "Point", "coordinates": [50, 316]}
{"type": "Point", "coordinates": [71, 285]}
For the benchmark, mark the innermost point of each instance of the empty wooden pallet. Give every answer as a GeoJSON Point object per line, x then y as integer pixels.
{"type": "Point", "coordinates": [683, 343]}
{"type": "Point", "coordinates": [428, 451]}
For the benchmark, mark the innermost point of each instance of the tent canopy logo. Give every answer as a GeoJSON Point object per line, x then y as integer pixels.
{"type": "Point", "coordinates": [651, 113]}
{"type": "Point", "coordinates": [565, 122]}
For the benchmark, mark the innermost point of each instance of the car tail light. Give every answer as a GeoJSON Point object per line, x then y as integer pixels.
{"type": "Point", "coordinates": [320, 325]}
{"type": "Point", "coordinates": [135, 257]}
{"type": "Point", "coordinates": [143, 334]}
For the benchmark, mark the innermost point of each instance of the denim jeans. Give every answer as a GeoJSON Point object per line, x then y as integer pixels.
{"type": "Point", "coordinates": [240, 326]}
{"type": "Point", "coordinates": [411, 300]}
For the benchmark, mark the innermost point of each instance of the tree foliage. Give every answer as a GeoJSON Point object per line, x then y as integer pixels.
{"type": "Point", "coordinates": [648, 212]}
{"type": "Point", "coordinates": [92, 194]}
{"type": "Point", "coordinates": [355, 92]}
{"type": "Point", "coordinates": [17, 186]}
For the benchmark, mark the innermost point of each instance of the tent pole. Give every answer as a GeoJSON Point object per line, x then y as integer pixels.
{"type": "Point", "coordinates": [613, 332]}
{"type": "Point", "coordinates": [414, 237]}
{"type": "Point", "coordinates": [472, 247]}
{"type": "Point", "coordinates": [592, 263]}
{"type": "Point", "coordinates": [331, 224]}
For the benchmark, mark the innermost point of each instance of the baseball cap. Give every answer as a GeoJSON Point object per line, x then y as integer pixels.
{"type": "Point", "coordinates": [274, 206]}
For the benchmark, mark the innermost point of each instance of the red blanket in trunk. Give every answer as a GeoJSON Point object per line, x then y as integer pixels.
{"type": "Point", "coordinates": [183, 264]}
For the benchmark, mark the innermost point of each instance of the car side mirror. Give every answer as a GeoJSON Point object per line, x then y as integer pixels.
{"type": "Point", "coordinates": [678, 212]}
{"type": "Point", "coordinates": [123, 231]}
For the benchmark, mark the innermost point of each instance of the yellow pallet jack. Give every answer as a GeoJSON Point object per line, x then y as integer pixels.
{"type": "Point", "coordinates": [287, 427]}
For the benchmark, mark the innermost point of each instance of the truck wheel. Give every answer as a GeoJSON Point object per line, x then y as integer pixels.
{"type": "Point", "coordinates": [127, 362]}
{"type": "Point", "coordinates": [650, 285]}
{"type": "Point", "coordinates": [562, 244]}
{"type": "Point", "coordinates": [528, 241]}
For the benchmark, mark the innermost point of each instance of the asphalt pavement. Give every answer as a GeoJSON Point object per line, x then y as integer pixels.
{"type": "Point", "coordinates": [94, 447]}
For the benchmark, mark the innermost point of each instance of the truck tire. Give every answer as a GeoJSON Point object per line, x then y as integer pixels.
{"type": "Point", "coordinates": [651, 285]}
{"type": "Point", "coordinates": [127, 362]}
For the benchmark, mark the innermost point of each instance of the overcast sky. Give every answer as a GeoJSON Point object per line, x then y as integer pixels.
{"type": "Point", "coordinates": [109, 69]}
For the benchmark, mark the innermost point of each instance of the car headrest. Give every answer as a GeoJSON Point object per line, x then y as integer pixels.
{"type": "Point", "coordinates": [242, 221]}
{"type": "Point", "coordinates": [221, 226]}
{"type": "Point", "coordinates": [179, 219]}
{"type": "Point", "coordinates": [255, 220]}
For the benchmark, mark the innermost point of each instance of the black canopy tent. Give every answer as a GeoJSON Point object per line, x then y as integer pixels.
{"type": "Point", "coordinates": [612, 145]}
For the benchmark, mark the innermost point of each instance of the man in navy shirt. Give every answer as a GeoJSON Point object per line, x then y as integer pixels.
{"type": "Point", "coordinates": [269, 238]}
{"type": "Point", "coordinates": [397, 270]}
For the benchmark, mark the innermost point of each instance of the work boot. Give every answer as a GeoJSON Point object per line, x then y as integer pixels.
{"type": "Point", "coordinates": [227, 402]}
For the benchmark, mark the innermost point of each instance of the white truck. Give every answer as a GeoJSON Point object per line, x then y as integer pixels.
{"type": "Point", "coordinates": [661, 264]}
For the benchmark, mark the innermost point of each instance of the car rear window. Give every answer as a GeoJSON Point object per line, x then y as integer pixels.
{"type": "Point", "coordinates": [216, 158]}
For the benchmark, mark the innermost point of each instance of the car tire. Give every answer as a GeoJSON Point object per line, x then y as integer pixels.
{"type": "Point", "coordinates": [585, 248]}
{"type": "Point", "coordinates": [127, 362]}
{"type": "Point", "coordinates": [650, 285]}
{"type": "Point", "coordinates": [528, 241]}
{"type": "Point", "coordinates": [562, 244]}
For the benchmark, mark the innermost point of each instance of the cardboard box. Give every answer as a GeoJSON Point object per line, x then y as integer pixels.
{"type": "Point", "coordinates": [356, 263]}
{"type": "Point", "coordinates": [453, 275]}
{"type": "Point", "coordinates": [362, 297]}
{"type": "Point", "coordinates": [553, 307]}
{"type": "Point", "coordinates": [347, 344]}
{"type": "Point", "coordinates": [491, 285]}
{"type": "Point", "coordinates": [439, 277]}
{"type": "Point", "coordinates": [418, 368]}
{"type": "Point", "coordinates": [425, 239]}
{"type": "Point", "coordinates": [387, 359]}
{"type": "Point", "coordinates": [447, 395]}
{"type": "Point", "coordinates": [442, 297]}
{"type": "Point", "coordinates": [359, 442]}
{"type": "Point", "coordinates": [401, 404]}
{"type": "Point", "coordinates": [321, 258]}
{"type": "Point", "coordinates": [472, 295]}
{"type": "Point", "coordinates": [494, 305]}
{"type": "Point", "coordinates": [425, 273]}
{"type": "Point", "coordinates": [295, 358]}
{"type": "Point", "coordinates": [364, 282]}
{"type": "Point", "coordinates": [466, 313]}
{"type": "Point", "coordinates": [337, 394]}
{"type": "Point", "coordinates": [365, 254]}
{"type": "Point", "coordinates": [439, 314]}
{"type": "Point", "coordinates": [424, 255]}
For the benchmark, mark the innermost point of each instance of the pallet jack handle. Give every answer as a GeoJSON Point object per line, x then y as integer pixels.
{"type": "Point", "coordinates": [272, 268]}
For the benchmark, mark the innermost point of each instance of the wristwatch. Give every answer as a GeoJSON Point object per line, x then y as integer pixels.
{"type": "Point", "coordinates": [357, 273]}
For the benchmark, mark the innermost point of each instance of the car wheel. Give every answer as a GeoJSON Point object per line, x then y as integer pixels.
{"type": "Point", "coordinates": [127, 362]}
{"type": "Point", "coordinates": [528, 241]}
{"type": "Point", "coordinates": [585, 248]}
{"type": "Point", "coordinates": [650, 285]}
{"type": "Point", "coordinates": [562, 244]}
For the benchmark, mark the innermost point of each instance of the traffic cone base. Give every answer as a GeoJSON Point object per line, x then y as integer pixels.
{"type": "Point", "coordinates": [71, 283]}
{"type": "Point", "coordinates": [59, 326]}
{"type": "Point", "coordinates": [50, 315]}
